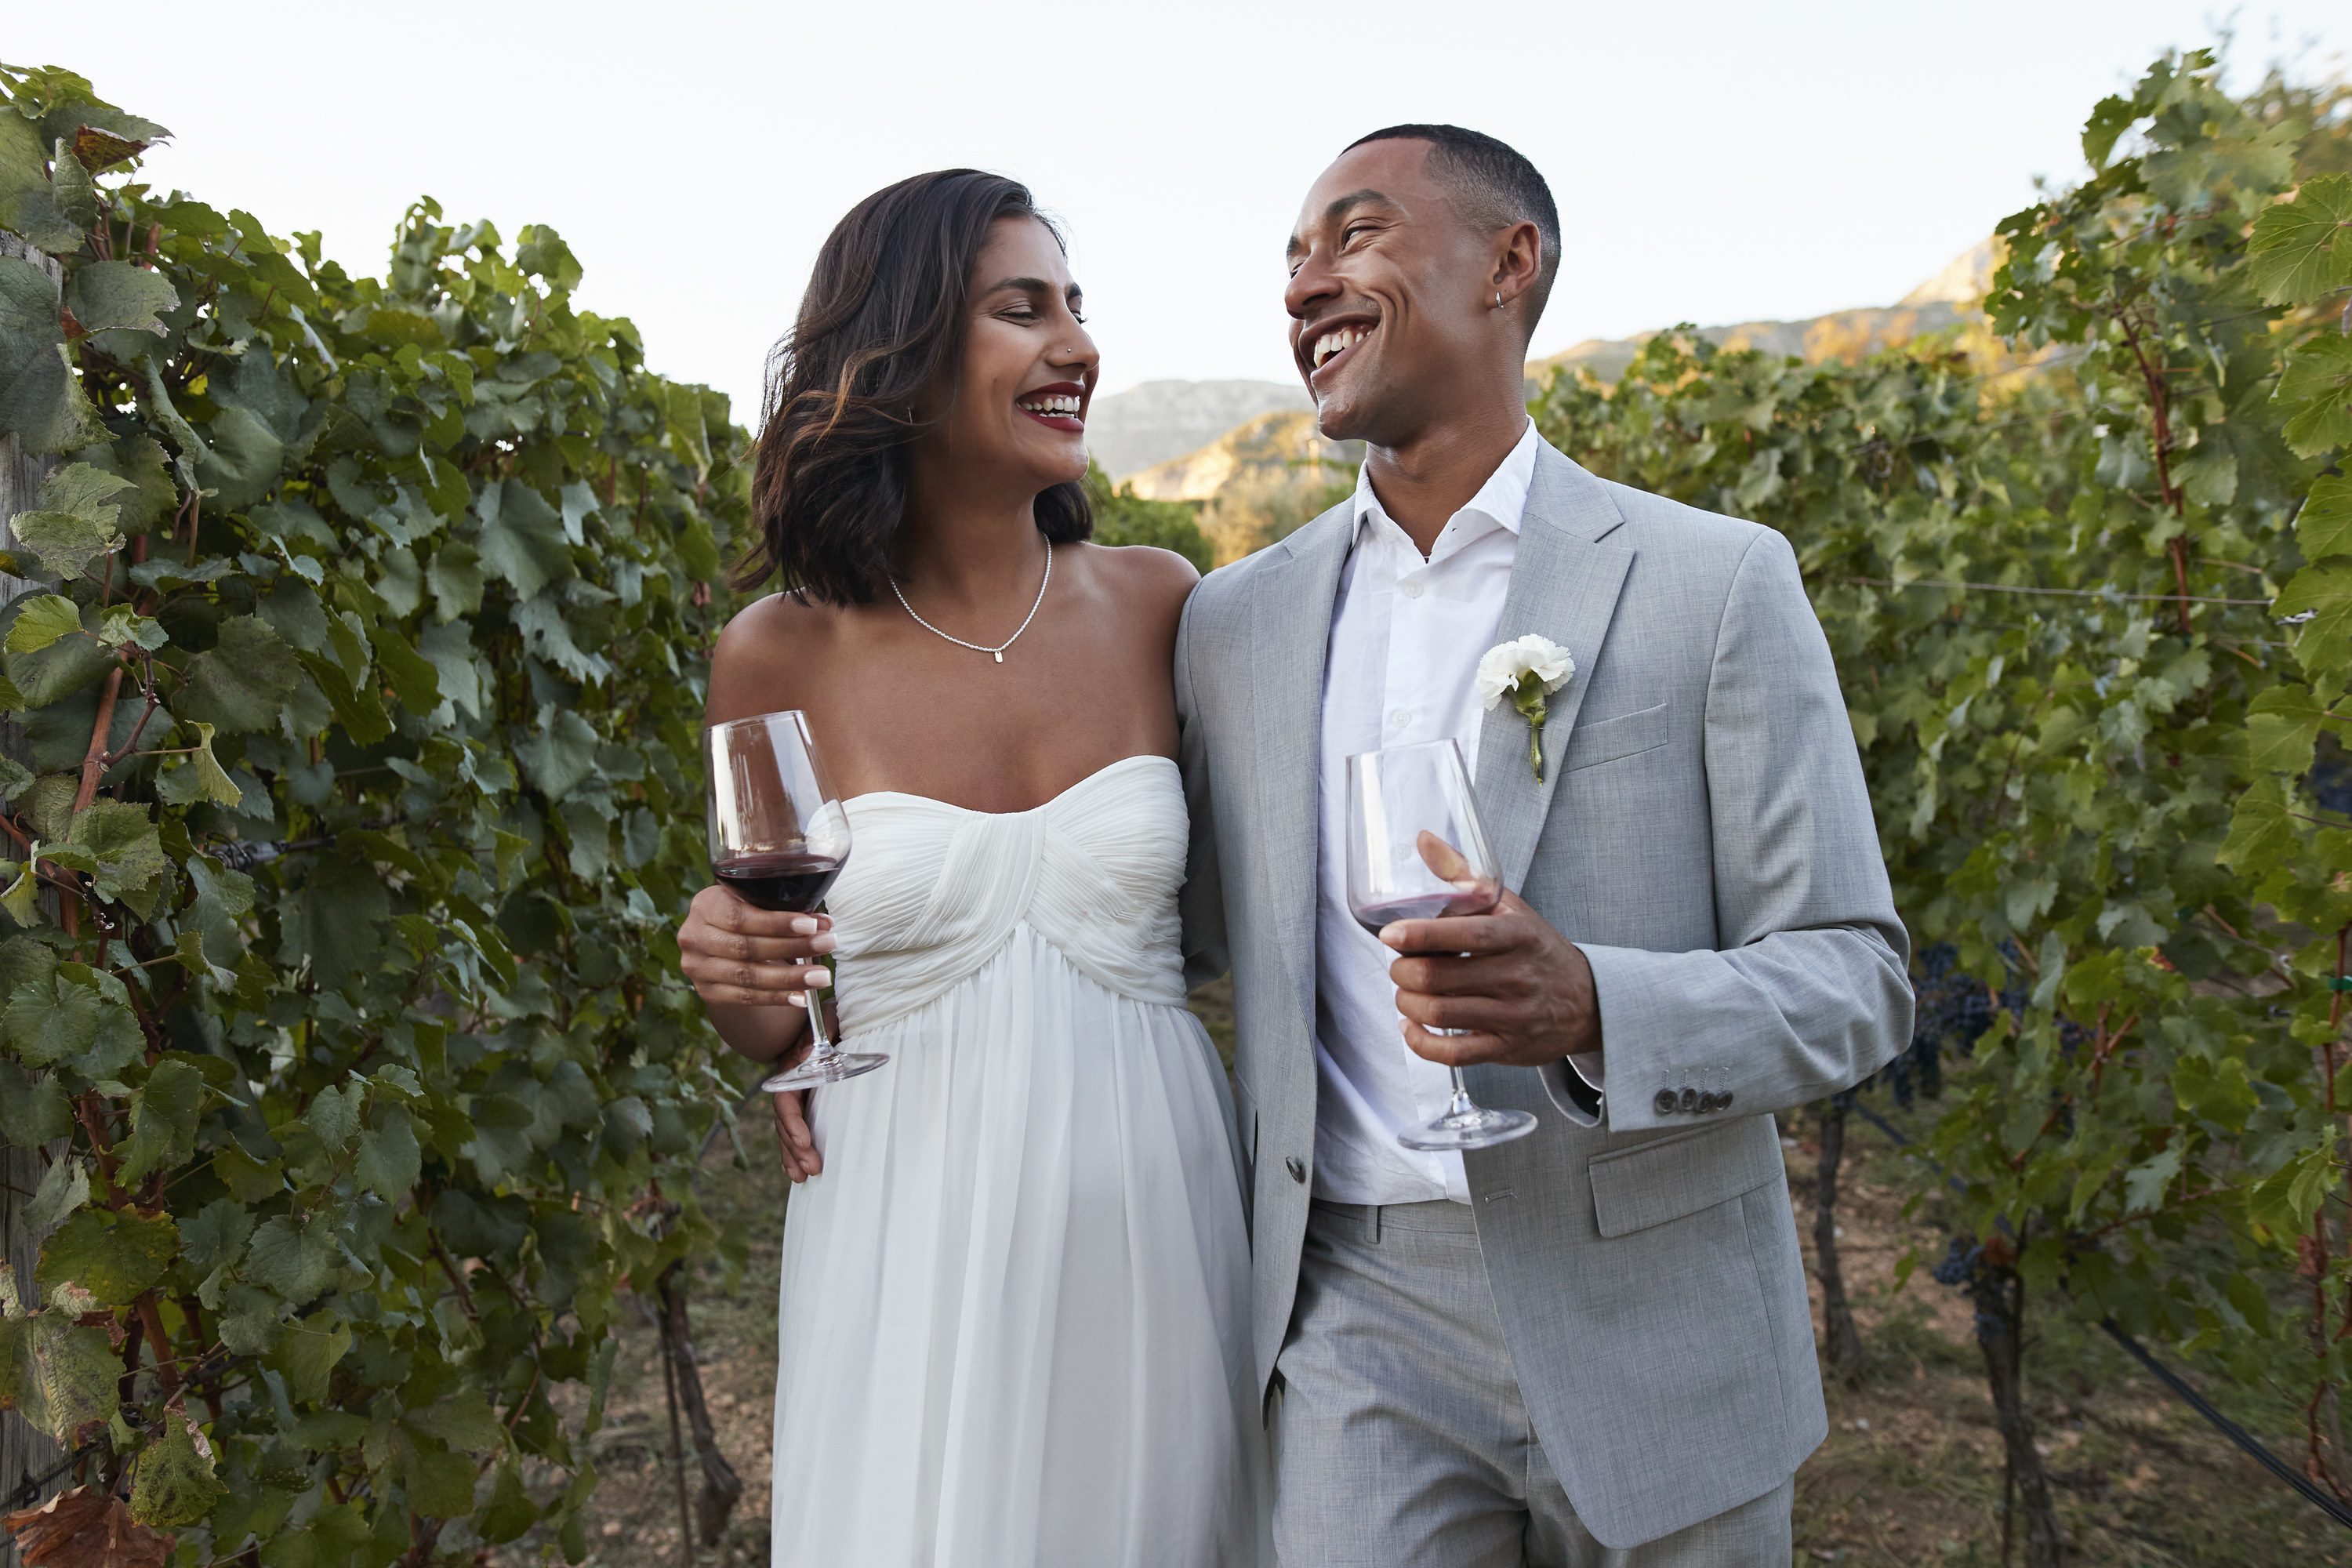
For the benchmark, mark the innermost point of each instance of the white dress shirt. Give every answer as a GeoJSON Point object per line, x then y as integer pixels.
{"type": "Point", "coordinates": [1406, 637]}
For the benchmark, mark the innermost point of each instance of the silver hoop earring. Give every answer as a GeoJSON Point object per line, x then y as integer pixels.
{"type": "Point", "coordinates": [1498, 298]}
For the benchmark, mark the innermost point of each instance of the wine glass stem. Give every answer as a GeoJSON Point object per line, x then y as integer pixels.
{"type": "Point", "coordinates": [1463, 1105]}
{"type": "Point", "coordinates": [823, 1049]}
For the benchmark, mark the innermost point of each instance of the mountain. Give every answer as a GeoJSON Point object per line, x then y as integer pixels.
{"type": "Point", "coordinates": [1256, 482]}
{"type": "Point", "coordinates": [1947, 299]}
{"type": "Point", "coordinates": [1150, 423]}
{"type": "Point", "coordinates": [1284, 442]}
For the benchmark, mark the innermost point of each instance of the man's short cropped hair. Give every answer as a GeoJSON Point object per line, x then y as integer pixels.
{"type": "Point", "coordinates": [1496, 186]}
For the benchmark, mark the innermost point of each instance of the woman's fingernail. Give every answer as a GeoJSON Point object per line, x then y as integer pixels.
{"type": "Point", "coordinates": [817, 980]}
{"type": "Point", "coordinates": [804, 925]}
{"type": "Point", "coordinates": [796, 998]}
{"type": "Point", "coordinates": [824, 943]}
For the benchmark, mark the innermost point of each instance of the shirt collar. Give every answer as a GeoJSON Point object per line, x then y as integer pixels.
{"type": "Point", "coordinates": [1501, 502]}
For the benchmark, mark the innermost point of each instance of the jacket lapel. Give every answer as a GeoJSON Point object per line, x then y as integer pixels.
{"type": "Point", "coordinates": [1564, 587]}
{"type": "Point", "coordinates": [1290, 627]}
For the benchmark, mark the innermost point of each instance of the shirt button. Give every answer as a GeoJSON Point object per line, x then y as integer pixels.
{"type": "Point", "coordinates": [1412, 590]}
{"type": "Point", "coordinates": [1400, 718]}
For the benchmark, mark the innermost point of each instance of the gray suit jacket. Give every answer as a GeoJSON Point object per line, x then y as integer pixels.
{"type": "Point", "coordinates": [1704, 834]}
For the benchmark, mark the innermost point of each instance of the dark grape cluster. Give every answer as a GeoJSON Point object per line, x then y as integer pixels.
{"type": "Point", "coordinates": [1965, 1268]}
{"type": "Point", "coordinates": [1954, 1009]}
{"type": "Point", "coordinates": [2330, 779]}
{"type": "Point", "coordinates": [1959, 1264]}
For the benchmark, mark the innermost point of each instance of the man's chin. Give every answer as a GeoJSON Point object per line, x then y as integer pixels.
{"type": "Point", "coordinates": [1338, 416]}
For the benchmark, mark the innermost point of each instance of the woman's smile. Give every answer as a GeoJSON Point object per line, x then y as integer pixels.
{"type": "Point", "coordinates": [1060, 407]}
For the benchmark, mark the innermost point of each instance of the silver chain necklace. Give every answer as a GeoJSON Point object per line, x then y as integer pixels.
{"type": "Point", "coordinates": [997, 651]}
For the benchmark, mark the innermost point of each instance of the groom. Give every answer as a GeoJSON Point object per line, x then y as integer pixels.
{"type": "Point", "coordinates": [1596, 1337]}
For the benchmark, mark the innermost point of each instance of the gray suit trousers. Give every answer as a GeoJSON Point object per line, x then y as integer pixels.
{"type": "Point", "coordinates": [1399, 1433]}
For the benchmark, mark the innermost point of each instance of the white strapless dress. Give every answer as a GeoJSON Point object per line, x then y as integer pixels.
{"type": "Point", "coordinates": [1015, 1324]}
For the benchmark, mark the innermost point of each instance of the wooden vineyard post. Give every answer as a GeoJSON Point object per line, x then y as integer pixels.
{"type": "Point", "coordinates": [25, 1455]}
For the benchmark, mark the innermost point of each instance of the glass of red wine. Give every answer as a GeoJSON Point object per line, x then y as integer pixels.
{"type": "Point", "coordinates": [1416, 850]}
{"type": "Point", "coordinates": [779, 837]}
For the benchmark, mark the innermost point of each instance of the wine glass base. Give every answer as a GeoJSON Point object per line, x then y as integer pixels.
{"type": "Point", "coordinates": [812, 1073]}
{"type": "Point", "coordinates": [1474, 1128]}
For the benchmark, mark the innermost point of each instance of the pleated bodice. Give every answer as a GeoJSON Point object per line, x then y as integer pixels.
{"type": "Point", "coordinates": [932, 891]}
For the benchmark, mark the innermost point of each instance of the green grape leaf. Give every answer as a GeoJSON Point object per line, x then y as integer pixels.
{"type": "Point", "coordinates": [33, 1107]}
{"type": "Point", "coordinates": [449, 648]}
{"type": "Point", "coordinates": [462, 1420]}
{"type": "Point", "coordinates": [104, 295]}
{"type": "Point", "coordinates": [28, 206]}
{"type": "Point", "coordinates": [294, 1260]}
{"type": "Point", "coordinates": [48, 1021]}
{"type": "Point", "coordinates": [388, 1160]}
{"type": "Point", "coordinates": [42, 620]}
{"type": "Point", "coordinates": [561, 754]}
{"type": "Point", "coordinates": [59, 1374]}
{"type": "Point", "coordinates": [440, 1485]}
{"type": "Point", "coordinates": [307, 1353]}
{"type": "Point", "coordinates": [330, 919]}
{"type": "Point", "coordinates": [114, 1254]}
{"type": "Point", "coordinates": [522, 537]}
{"type": "Point", "coordinates": [2317, 382]}
{"type": "Point", "coordinates": [121, 837]}
{"type": "Point", "coordinates": [65, 1188]}
{"type": "Point", "coordinates": [2323, 644]}
{"type": "Point", "coordinates": [456, 579]}
{"type": "Point", "coordinates": [175, 1484]}
{"type": "Point", "coordinates": [2109, 122]}
{"type": "Point", "coordinates": [2324, 525]}
{"type": "Point", "coordinates": [2301, 250]}
{"type": "Point", "coordinates": [163, 1120]}
{"type": "Point", "coordinates": [87, 491]}
{"type": "Point", "coordinates": [509, 1511]}
{"type": "Point", "coordinates": [63, 543]}
{"type": "Point", "coordinates": [415, 681]}
{"type": "Point", "coordinates": [201, 777]}
{"type": "Point", "coordinates": [238, 684]}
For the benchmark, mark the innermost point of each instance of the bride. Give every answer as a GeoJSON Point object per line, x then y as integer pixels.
{"type": "Point", "coordinates": [1014, 1321]}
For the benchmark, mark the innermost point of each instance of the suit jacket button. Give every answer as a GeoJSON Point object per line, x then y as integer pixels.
{"type": "Point", "coordinates": [1707, 1102]}
{"type": "Point", "coordinates": [1690, 1099]}
{"type": "Point", "coordinates": [1723, 1100]}
{"type": "Point", "coordinates": [1297, 1172]}
{"type": "Point", "coordinates": [1665, 1102]}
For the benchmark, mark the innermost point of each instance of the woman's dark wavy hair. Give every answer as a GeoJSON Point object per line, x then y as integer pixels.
{"type": "Point", "coordinates": [884, 313]}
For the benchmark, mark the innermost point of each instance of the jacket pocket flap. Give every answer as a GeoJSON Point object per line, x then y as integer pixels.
{"type": "Point", "coordinates": [1681, 1173]}
{"type": "Point", "coordinates": [1606, 740]}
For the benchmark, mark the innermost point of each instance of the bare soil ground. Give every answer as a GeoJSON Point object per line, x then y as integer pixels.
{"type": "Point", "coordinates": [1911, 1472]}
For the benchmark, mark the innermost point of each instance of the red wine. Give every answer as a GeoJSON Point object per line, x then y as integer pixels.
{"type": "Point", "coordinates": [790, 884]}
{"type": "Point", "coordinates": [1425, 906]}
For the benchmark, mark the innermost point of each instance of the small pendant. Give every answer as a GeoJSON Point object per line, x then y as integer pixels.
{"type": "Point", "coordinates": [1000, 655]}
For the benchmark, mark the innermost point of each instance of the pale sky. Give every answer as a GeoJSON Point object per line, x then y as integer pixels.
{"type": "Point", "coordinates": [1712, 162]}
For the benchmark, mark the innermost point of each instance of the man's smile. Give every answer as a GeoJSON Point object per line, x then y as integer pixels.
{"type": "Point", "coordinates": [1329, 343]}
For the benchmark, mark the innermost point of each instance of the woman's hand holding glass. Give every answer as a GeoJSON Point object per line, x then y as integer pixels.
{"type": "Point", "coordinates": [741, 957]}
{"type": "Point", "coordinates": [738, 955]}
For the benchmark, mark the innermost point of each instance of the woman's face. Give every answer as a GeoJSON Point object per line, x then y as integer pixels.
{"type": "Point", "coordinates": [1028, 365]}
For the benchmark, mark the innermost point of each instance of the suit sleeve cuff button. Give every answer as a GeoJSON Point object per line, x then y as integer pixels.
{"type": "Point", "coordinates": [1665, 1102]}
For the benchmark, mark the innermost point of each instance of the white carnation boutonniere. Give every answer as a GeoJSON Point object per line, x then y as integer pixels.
{"type": "Point", "coordinates": [1527, 671]}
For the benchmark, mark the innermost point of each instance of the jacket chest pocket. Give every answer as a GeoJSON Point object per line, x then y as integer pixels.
{"type": "Point", "coordinates": [1610, 739]}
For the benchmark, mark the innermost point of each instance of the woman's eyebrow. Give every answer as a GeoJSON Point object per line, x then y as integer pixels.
{"type": "Point", "coordinates": [1024, 285]}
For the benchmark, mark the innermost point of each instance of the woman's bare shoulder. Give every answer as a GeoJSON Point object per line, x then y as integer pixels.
{"type": "Point", "coordinates": [1156, 579]}
{"type": "Point", "coordinates": [780, 636]}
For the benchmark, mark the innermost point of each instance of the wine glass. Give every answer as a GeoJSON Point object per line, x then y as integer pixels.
{"type": "Point", "coordinates": [1416, 849]}
{"type": "Point", "coordinates": [779, 836]}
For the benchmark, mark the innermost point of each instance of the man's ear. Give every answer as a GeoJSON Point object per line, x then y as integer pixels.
{"type": "Point", "coordinates": [1518, 264]}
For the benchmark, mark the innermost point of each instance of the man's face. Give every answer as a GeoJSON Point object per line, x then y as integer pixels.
{"type": "Point", "coordinates": [1388, 289]}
